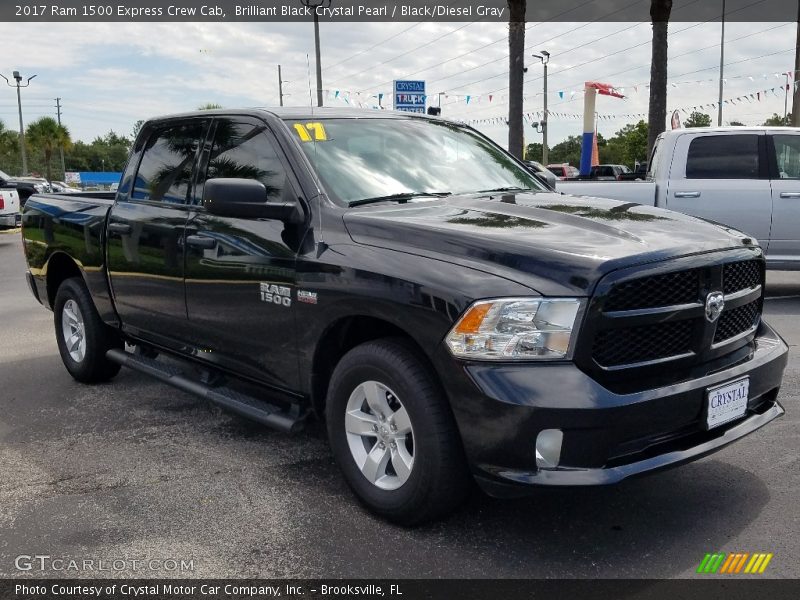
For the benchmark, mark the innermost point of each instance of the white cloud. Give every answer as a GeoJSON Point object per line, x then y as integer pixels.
{"type": "Point", "coordinates": [109, 75]}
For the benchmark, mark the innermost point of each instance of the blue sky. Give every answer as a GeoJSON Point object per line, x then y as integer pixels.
{"type": "Point", "coordinates": [109, 75]}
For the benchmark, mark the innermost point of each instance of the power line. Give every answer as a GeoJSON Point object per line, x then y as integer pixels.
{"type": "Point", "coordinates": [426, 44]}
{"type": "Point", "coordinates": [601, 57]}
{"type": "Point", "coordinates": [390, 38]}
{"type": "Point", "coordinates": [505, 38]}
{"type": "Point", "coordinates": [712, 67]}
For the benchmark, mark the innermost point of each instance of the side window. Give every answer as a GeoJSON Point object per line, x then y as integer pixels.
{"type": "Point", "coordinates": [244, 150]}
{"type": "Point", "coordinates": [787, 151]}
{"type": "Point", "coordinates": [165, 171]}
{"type": "Point", "coordinates": [723, 157]}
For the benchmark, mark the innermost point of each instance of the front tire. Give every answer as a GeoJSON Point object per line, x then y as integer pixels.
{"type": "Point", "coordinates": [393, 435]}
{"type": "Point", "coordinates": [83, 339]}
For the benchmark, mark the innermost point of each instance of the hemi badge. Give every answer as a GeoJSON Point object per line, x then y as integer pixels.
{"type": "Point", "coordinates": [306, 297]}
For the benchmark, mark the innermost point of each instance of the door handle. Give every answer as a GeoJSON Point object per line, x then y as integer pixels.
{"type": "Point", "coordinates": [121, 228]}
{"type": "Point", "coordinates": [198, 241]}
{"type": "Point", "coordinates": [790, 194]}
{"type": "Point", "coordinates": [687, 194]}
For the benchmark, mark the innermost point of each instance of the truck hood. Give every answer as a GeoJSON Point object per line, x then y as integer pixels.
{"type": "Point", "coordinates": [552, 243]}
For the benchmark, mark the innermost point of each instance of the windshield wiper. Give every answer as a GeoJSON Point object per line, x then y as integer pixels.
{"type": "Point", "coordinates": [401, 196]}
{"type": "Point", "coordinates": [505, 189]}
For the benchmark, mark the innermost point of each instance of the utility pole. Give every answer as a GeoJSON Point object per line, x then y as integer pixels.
{"type": "Point", "coordinates": [786, 101]}
{"type": "Point", "coordinates": [516, 73]}
{"type": "Point", "coordinates": [796, 90]}
{"type": "Point", "coordinates": [313, 5]}
{"type": "Point", "coordinates": [280, 86]}
{"type": "Point", "coordinates": [545, 58]}
{"type": "Point", "coordinates": [18, 79]}
{"type": "Point", "coordinates": [60, 148]}
{"type": "Point", "coordinates": [721, 66]}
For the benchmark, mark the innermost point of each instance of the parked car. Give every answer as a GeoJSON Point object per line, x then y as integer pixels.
{"type": "Point", "coordinates": [639, 172]}
{"type": "Point", "coordinates": [60, 187]}
{"type": "Point", "coordinates": [563, 171]}
{"type": "Point", "coordinates": [745, 177]}
{"type": "Point", "coordinates": [24, 187]}
{"type": "Point", "coordinates": [539, 169]}
{"type": "Point", "coordinates": [609, 172]}
{"type": "Point", "coordinates": [445, 314]}
{"type": "Point", "coordinates": [9, 208]}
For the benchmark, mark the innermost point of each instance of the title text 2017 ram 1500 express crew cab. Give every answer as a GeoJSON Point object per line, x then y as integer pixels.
{"type": "Point", "coordinates": [410, 282]}
{"type": "Point", "coordinates": [744, 177]}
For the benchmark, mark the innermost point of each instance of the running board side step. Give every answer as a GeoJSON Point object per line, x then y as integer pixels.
{"type": "Point", "coordinates": [241, 404]}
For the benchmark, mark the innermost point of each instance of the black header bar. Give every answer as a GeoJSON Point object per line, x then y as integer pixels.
{"type": "Point", "coordinates": [276, 11]}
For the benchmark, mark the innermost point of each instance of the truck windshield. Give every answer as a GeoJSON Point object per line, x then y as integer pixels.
{"type": "Point", "coordinates": [370, 159]}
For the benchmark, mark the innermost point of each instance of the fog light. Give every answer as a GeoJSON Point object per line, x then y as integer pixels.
{"type": "Point", "coordinates": [548, 448]}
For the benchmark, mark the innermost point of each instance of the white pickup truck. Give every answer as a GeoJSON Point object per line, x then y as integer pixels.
{"type": "Point", "coordinates": [9, 208]}
{"type": "Point", "coordinates": [745, 177]}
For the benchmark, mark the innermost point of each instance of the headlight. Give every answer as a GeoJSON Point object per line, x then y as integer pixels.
{"type": "Point", "coordinates": [515, 329]}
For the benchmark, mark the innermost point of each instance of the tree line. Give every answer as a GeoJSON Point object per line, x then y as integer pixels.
{"type": "Point", "coordinates": [45, 139]}
{"type": "Point", "coordinates": [629, 145]}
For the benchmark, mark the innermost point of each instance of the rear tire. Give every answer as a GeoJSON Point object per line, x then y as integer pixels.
{"type": "Point", "coordinates": [393, 435]}
{"type": "Point", "coordinates": [83, 339]}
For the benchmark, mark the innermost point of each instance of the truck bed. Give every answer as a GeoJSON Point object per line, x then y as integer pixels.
{"type": "Point", "coordinates": [640, 192]}
{"type": "Point", "coordinates": [72, 225]}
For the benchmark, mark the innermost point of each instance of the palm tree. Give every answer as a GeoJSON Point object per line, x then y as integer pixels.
{"type": "Point", "coordinates": [516, 66]}
{"type": "Point", "coordinates": [47, 135]}
{"type": "Point", "coordinates": [9, 145]}
{"type": "Point", "coordinates": [657, 116]}
{"type": "Point", "coordinates": [209, 106]}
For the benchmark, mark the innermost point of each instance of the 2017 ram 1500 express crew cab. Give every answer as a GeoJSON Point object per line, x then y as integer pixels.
{"type": "Point", "coordinates": [410, 282]}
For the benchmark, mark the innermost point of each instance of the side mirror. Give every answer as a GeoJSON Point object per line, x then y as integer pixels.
{"type": "Point", "coordinates": [541, 178]}
{"type": "Point", "coordinates": [247, 199]}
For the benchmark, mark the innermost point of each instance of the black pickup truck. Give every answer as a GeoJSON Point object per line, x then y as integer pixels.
{"type": "Point", "coordinates": [411, 284]}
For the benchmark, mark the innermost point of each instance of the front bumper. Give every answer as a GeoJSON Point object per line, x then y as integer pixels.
{"type": "Point", "coordinates": [501, 408]}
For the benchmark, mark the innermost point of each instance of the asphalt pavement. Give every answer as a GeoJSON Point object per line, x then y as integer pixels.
{"type": "Point", "coordinates": [134, 470]}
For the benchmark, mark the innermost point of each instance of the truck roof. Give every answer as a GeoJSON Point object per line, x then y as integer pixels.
{"type": "Point", "coordinates": [303, 112]}
{"type": "Point", "coordinates": [734, 128]}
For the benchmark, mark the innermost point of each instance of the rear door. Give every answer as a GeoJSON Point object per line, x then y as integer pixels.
{"type": "Point", "coordinates": [784, 244]}
{"type": "Point", "coordinates": [241, 273]}
{"type": "Point", "coordinates": [724, 178]}
{"type": "Point", "coordinates": [146, 226]}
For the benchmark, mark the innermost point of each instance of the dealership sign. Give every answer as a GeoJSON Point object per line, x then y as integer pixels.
{"type": "Point", "coordinates": [409, 96]}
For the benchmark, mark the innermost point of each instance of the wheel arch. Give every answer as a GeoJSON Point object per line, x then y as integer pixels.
{"type": "Point", "coordinates": [344, 334]}
{"type": "Point", "coordinates": [60, 267]}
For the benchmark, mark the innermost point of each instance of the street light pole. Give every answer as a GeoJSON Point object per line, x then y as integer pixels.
{"type": "Point", "coordinates": [313, 5]}
{"type": "Point", "coordinates": [60, 147]}
{"type": "Point", "coordinates": [18, 79]}
{"type": "Point", "coordinates": [280, 86]}
{"type": "Point", "coordinates": [545, 58]}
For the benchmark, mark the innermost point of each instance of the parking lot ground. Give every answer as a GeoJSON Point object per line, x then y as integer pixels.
{"type": "Point", "coordinates": [134, 469]}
